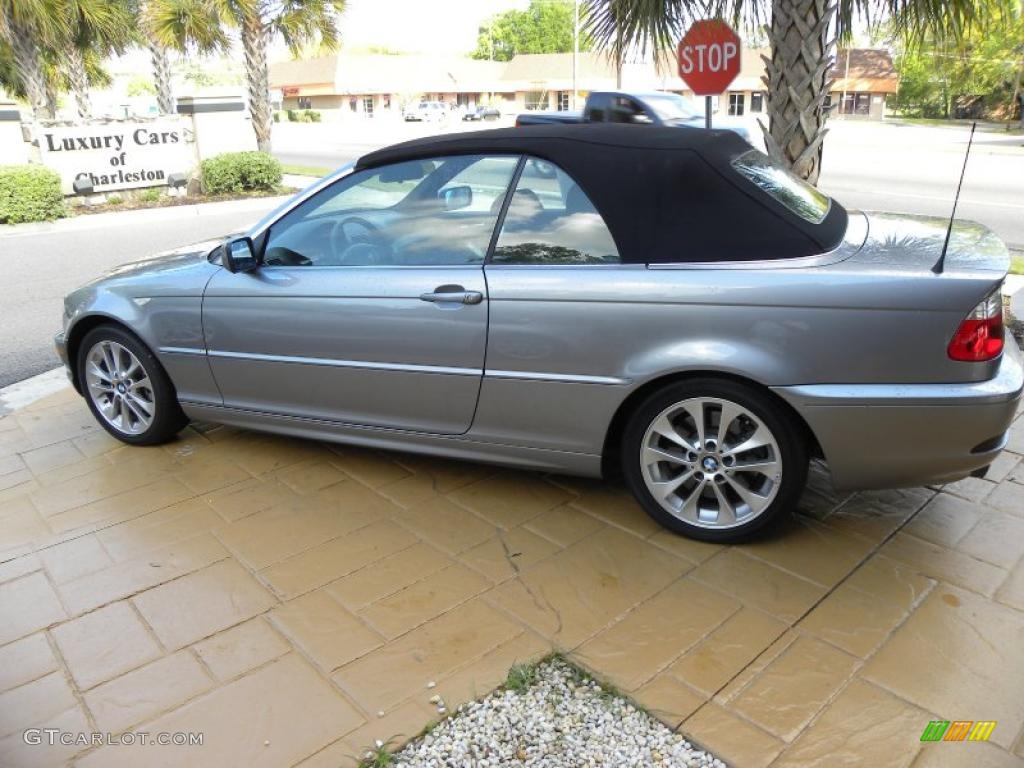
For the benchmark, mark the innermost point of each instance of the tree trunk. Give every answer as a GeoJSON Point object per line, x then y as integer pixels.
{"type": "Point", "coordinates": [161, 76]}
{"type": "Point", "coordinates": [30, 69]}
{"type": "Point", "coordinates": [78, 80]}
{"type": "Point", "coordinates": [254, 45]}
{"type": "Point", "coordinates": [798, 81]}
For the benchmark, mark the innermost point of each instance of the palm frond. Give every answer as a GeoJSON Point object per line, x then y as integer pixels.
{"type": "Point", "coordinates": [189, 24]}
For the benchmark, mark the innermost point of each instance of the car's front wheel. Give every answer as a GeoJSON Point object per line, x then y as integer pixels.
{"type": "Point", "coordinates": [127, 389]}
{"type": "Point", "coordinates": [713, 459]}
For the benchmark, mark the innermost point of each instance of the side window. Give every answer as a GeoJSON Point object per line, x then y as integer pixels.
{"type": "Point", "coordinates": [551, 221]}
{"type": "Point", "coordinates": [596, 106]}
{"type": "Point", "coordinates": [433, 212]}
{"type": "Point", "coordinates": [624, 110]}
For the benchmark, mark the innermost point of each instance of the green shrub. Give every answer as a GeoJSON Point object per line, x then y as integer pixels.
{"type": "Point", "coordinates": [114, 199]}
{"type": "Point", "coordinates": [277, 117]}
{"type": "Point", "coordinates": [294, 116]}
{"type": "Point", "coordinates": [233, 172]}
{"type": "Point", "coordinates": [150, 195]}
{"type": "Point", "coordinates": [29, 193]}
{"type": "Point", "coordinates": [312, 116]}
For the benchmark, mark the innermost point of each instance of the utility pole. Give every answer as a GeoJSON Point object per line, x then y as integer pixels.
{"type": "Point", "coordinates": [846, 82]}
{"type": "Point", "coordinates": [575, 48]}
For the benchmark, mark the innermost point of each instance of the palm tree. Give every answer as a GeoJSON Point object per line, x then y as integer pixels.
{"type": "Point", "coordinates": [98, 28]}
{"type": "Point", "coordinates": [29, 27]}
{"type": "Point", "coordinates": [202, 24]}
{"type": "Point", "coordinates": [802, 35]}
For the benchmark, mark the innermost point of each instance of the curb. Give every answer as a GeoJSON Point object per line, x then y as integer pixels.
{"type": "Point", "coordinates": [28, 391]}
{"type": "Point", "coordinates": [141, 216]}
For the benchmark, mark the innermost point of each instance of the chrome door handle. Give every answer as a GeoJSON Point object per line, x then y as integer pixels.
{"type": "Point", "coordinates": [454, 294]}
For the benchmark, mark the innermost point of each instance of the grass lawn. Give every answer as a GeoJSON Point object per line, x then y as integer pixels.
{"type": "Point", "coordinates": [1017, 265]}
{"type": "Point", "coordinates": [306, 170]}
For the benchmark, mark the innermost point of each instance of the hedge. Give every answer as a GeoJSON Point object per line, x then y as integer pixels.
{"type": "Point", "coordinates": [30, 193]}
{"type": "Point", "coordinates": [233, 172]}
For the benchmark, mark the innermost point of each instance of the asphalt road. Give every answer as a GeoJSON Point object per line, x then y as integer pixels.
{"type": "Point", "coordinates": [41, 263]}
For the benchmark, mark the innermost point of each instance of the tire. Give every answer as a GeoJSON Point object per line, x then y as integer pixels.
{"type": "Point", "coordinates": [123, 383]}
{"type": "Point", "coordinates": [702, 491]}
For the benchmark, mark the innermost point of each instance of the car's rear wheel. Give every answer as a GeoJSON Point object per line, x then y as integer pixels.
{"type": "Point", "coordinates": [713, 459]}
{"type": "Point", "coordinates": [127, 389]}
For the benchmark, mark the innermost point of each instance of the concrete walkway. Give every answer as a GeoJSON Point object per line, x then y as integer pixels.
{"type": "Point", "coordinates": [293, 602]}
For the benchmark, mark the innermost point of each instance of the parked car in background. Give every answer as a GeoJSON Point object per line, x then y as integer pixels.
{"type": "Point", "coordinates": [482, 113]}
{"type": "Point", "coordinates": [426, 111]}
{"type": "Point", "coordinates": [639, 108]}
{"type": "Point", "coordinates": [666, 305]}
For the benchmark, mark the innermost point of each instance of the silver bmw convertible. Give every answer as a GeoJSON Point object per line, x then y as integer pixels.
{"type": "Point", "coordinates": [664, 305]}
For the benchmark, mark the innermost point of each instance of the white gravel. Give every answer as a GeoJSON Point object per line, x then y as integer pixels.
{"type": "Point", "coordinates": [560, 720]}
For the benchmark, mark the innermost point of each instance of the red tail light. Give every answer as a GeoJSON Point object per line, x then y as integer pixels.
{"type": "Point", "coordinates": [980, 335]}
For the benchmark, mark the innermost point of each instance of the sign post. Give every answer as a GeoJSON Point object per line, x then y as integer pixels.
{"type": "Point", "coordinates": [709, 59]}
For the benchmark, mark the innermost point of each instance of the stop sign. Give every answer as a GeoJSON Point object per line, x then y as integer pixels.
{"type": "Point", "coordinates": [709, 57]}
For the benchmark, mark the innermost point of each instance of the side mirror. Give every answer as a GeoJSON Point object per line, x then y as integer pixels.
{"type": "Point", "coordinates": [456, 198]}
{"type": "Point", "coordinates": [240, 255]}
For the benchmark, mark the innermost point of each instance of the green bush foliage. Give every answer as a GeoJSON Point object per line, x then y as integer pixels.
{"type": "Point", "coordinates": [293, 116]}
{"type": "Point", "coordinates": [233, 172]}
{"type": "Point", "coordinates": [312, 115]}
{"type": "Point", "coordinates": [114, 199]}
{"type": "Point", "coordinates": [150, 195]}
{"type": "Point", "coordinates": [29, 193]}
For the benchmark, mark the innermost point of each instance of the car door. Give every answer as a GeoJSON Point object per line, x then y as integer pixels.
{"type": "Point", "coordinates": [370, 305]}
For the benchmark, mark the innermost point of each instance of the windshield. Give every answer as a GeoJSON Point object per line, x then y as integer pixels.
{"type": "Point", "coordinates": [671, 106]}
{"type": "Point", "coordinates": [790, 190]}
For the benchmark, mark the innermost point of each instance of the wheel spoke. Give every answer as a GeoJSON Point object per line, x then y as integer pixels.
{"type": "Point", "coordinates": [665, 488]}
{"type": "Point", "coordinates": [755, 501]}
{"type": "Point", "coordinates": [726, 512]}
{"type": "Point", "coordinates": [761, 466]}
{"type": "Point", "coordinates": [140, 414]}
{"type": "Point", "coordinates": [652, 455]}
{"type": "Point", "coordinates": [759, 439]}
{"type": "Point", "coordinates": [696, 411]}
{"type": "Point", "coordinates": [691, 507]}
{"type": "Point", "coordinates": [729, 413]}
{"type": "Point", "coordinates": [667, 430]}
{"type": "Point", "coordinates": [93, 369]}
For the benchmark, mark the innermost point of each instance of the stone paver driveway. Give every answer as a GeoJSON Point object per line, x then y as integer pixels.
{"type": "Point", "coordinates": [291, 601]}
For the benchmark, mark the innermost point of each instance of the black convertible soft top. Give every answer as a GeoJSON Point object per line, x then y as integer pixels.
{"type": "Point", "coordinates": [668, 194]}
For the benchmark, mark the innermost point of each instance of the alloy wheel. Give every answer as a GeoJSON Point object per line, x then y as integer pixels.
{"type": "Point", "coordinates": [120, 387]}
{"type": "Point", "coordinates": [711, 462]}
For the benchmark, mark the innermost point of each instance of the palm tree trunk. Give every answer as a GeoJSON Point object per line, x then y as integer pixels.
{"type": "Point", "coordinates": [161, 76]}
{"type": "Point", "coordinates": [254, 45]}
{"type": "Point", "coordinates": [798, 81]}
{"type": "Point", "coordinates": [78, 80]}
{"type": "Point", "coordinates": [30, 69]}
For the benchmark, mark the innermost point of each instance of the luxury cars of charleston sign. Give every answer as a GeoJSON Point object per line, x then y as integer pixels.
{"type": "Point", "coordinates": [117, 155]}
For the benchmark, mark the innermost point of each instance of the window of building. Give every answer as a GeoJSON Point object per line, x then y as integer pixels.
{"type": "Point", "coordinates": [862, 104]}
{"type": "Point", "coordinates": [417, 213]}
{"type": "Point", "coordinates": [536, 99]}
{"type": "Point", "coordinates": [305, 102]}
{"type": "Point", "coordinates": [564, 99]}
{"type": "Point", "coordinates": [368, 105]}
{"type": "Point", "coordinates": [551, 221]}
{"type": "Point", "coordinates": [757, 101]}
{"type": "Point", "coordinates": [736, 103]}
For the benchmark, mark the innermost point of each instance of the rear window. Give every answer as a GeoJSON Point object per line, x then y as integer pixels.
{"type": "Point", "coordinates": [790, 190]}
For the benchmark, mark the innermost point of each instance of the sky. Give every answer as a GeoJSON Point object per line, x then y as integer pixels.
{"type": "Point", "coordinates": [450, 26]}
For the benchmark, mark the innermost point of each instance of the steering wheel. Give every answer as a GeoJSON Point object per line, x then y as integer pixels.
{"type": "Point", "coordinates": [358, 248]}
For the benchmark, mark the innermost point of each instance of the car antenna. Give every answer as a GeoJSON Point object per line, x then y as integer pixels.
{"type": "Point", "coordinates": [941, 263]}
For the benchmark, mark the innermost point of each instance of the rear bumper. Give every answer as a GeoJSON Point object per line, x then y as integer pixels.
{"type": "Point", "coordinates": [899, 435]}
